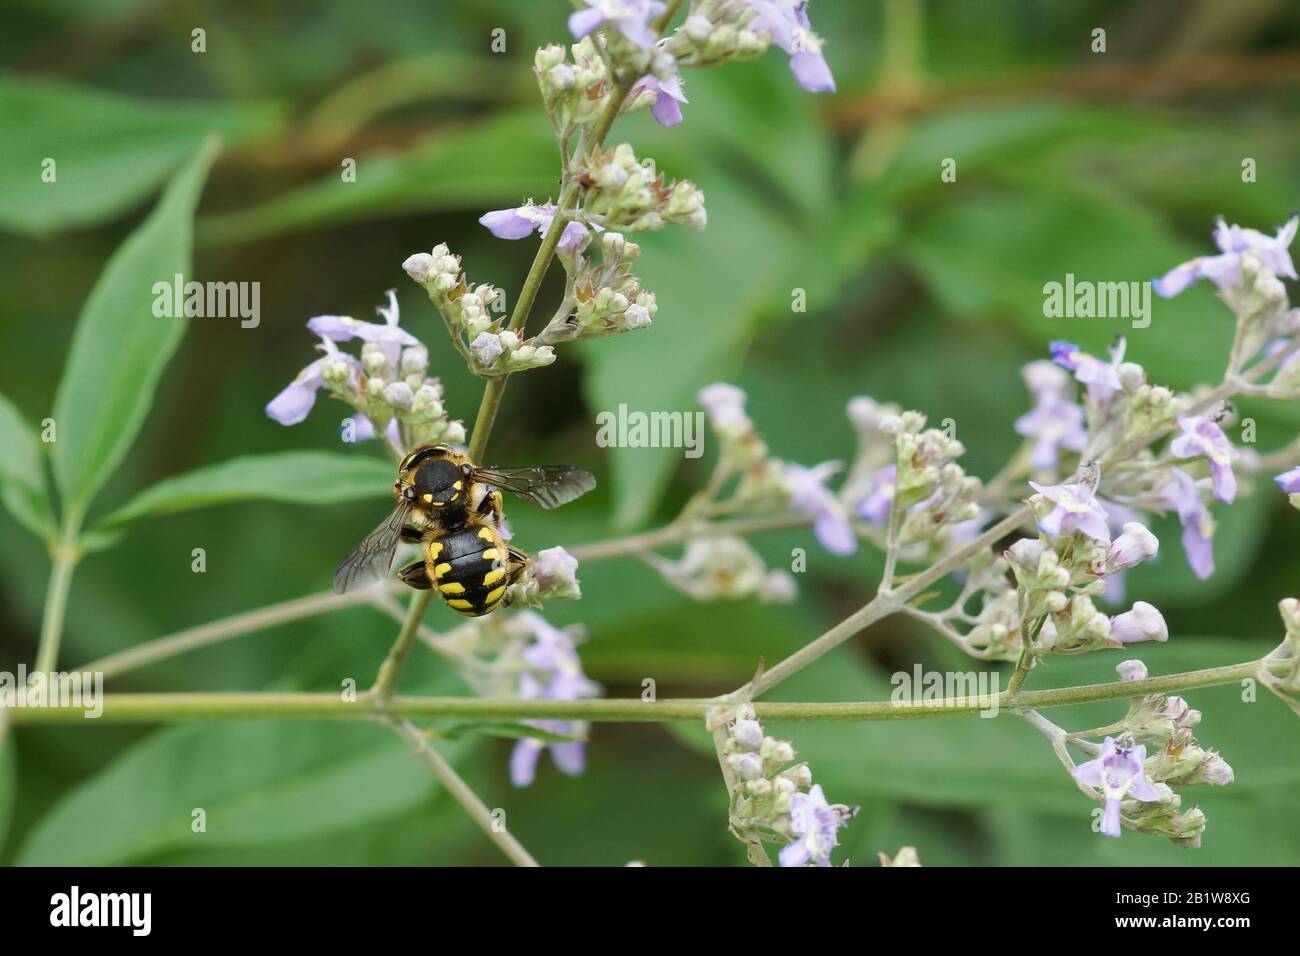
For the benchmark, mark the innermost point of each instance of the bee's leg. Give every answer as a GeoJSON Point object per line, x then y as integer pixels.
{"type": "Point", "coordinates": [415, 575]}
{"type": "Point", "coordinates": [515, 565]}
{"type": "Point", "coordinates": [490, 506]}
{"type": "Point", "coordinates": [412, 534]}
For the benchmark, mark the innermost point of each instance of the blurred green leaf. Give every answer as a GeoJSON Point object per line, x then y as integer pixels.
{"type": "Point", "coordinates": [8, 776]}
{"type": "Point", "coordinates": [109, 150]}
{"type": "Point", "coordinates": [258, 782]}
{"type": "Point", "coordinates": [120, 347]}
{"type": "Point", "coordinates": [21, 477]}
{"type": "Point", "coordinates": [705, 319]}
{"type": "Point", "coordinates": [297, 477]}
{"type": "Point", "coordinates": [503, 158]}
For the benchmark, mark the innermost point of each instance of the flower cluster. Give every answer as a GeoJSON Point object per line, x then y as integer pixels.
{"type": "Point", "coordinates": [719, 30]}
{"type": "Point", "coordinates": [606, 297]}
{"type": "Point", "coordinates": [1287, 685]}
{"type": "Point", "coordinates": [1156, 750]}
{"type": "Point", "coordinates": [624, 192]}
{"type": "Point", "coordinates": [551, 671]}
{"type": "Point", "coordinates": [490, 347]}
{"type": "Point", "coordinates": [775, 800]}
{"type": "Point", "coordinates": [711, 569]}
{"type": "Point", "coordinates": [523, 655]}
{"type": "Point", "coordinates": [551, 575]}
{"type": "Point", "coordinates": [388, 385]}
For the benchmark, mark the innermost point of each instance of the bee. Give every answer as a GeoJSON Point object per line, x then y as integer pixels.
{"type": "Point", "coordinates": [452, 508]}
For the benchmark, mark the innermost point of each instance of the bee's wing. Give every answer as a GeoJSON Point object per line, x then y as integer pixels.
{"type": "Point", "coordinates": [372, 558]}
{"type": "Point", "coordinates": [547, 486]}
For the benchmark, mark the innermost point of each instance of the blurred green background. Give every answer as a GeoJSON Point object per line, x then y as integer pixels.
{"type": "Point", "coordinates": [1110, 166]}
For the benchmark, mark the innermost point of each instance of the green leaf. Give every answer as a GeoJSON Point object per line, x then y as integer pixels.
{"type": "Point", "coordinates": [109, 150]}
{"type": "Point", "coordinates": [298, 477]}
{"type": "Point", "coordinates": [704, 322]}
{"type": "Point", "coordinates": [120, 347]}
{"type": "Point", "coordinates": [258, 782]}
{"type": "Point", "coordinates": [21, 478]}
{"type": "Point", "coordinates": [502, 159]}
{"type": "Point", "coordinates": [8, 776]}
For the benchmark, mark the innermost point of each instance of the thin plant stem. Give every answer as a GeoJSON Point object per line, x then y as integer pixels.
{"type": "Point", "coordinates": [460, 790]}
{"type": "Point", "coordinates": [214, 632]}
{"type": "Point", "coordinates": [64, 557]}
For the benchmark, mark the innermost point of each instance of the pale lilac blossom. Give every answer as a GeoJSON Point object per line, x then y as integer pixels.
{"type": "Point", "coordinates": [1074, 508]}
{"type": "Point", "coordinates": [1135, 545]}
{"type": "Point", "coordinates": [388, 335]}
{"type": "Point", "coordinates": [879, 498]}
{"type": "Point", "coordinates": [523, 220]}
{"type": "Point", "coordinates": [1054, 423]}
{"type": "Point", "coordinates": [830, 520]}
{"type": "Point", "coordinates": [630, 17]}
{"type": "Point", "coordinates": [814, 823]}
{"type": "Point", "coordinates": [1182, 495]}
{"type": "Point", "coordinates": [1143, 623]}
{"type": "Point", "coordinates": [1289, 481]}
{"type": "Point", "coordinates": [293, 404]}
{"type": "Point", "coordinates": [1224, 270]}
{"type": "Point", "coordinates": [1101, 378]}
{"type": "Point", "coordinates": [554, 673]}
{"type": "Point", "coordinates": [1201, 436]}
{"type": "Point", "coordinates": [724, 404]}
{"type": "Point", "coordinates": [667, 109]}
{"type": "Point", "coordinates": [787, 22]}
{"type": "Point", "coordinates": [1118, 772]}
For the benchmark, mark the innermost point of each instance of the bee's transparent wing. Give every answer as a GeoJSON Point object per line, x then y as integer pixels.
{"type": "Point", "coordinates": [547, 486]}
{"type": "Point", "coordinates": [372, 558]}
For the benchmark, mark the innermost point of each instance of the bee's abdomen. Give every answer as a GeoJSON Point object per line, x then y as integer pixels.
{"type": "Point", "coordinates": [468, 569]}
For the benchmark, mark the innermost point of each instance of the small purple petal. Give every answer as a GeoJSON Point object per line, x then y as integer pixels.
{"type": "Point", "coordinates": [582, 22]}
{"type": "Point", "coordinates": [1289, 481]}
{"type": "Point", "coordinates": [507, 223]}
{"type": "Point", "coordinates": [523, 761]}
{"type": "Point", "coordinates": [812, 72]}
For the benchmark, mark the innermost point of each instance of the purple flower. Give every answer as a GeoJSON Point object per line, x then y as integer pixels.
{"type": "Point", "coordinates": [1074, 508]}
{"type": "Point", "coordinates": [1135, 545]}
{"type": "Point", "coordinates": [830, 522]}
{"type": "Point", "coordinates": [787, 22]}
{"type": "Point", "coordinates": [1289, 481]}
{"type": "Point", "coordinates": [1182, 495]}
{"type": "Point", "coordinates": [813, 822]}
{"type": "Point", "coordinates": [1143, 623]}
{"type": "Point", "coordinates": [555, 673]}
{"type": "Point", "coordinates": [488, 346]}
{"type": "Point", "coordinates": [724, 404]}
{"type": "Point", "coordinates": [880, 495]}
{"type": "Point", "coordinates": [1201, 436]}
{"type": "Point", "coordinates": [517, 223]}
{"type": "Point", "coordinates": [292, 404]}
{"type": "Point", "coordinates": [1224, 270]}
{"type": "Point", "coordinates": [1053, 423]}
{"type": "Point", "coordinates": [1102, 378]}
{"type": "Point", "coordinates": [1118, 773]}
{"type": "Point", "coordinates": [630, 17]}
{"type": "Point", "coordinates": [668, 96]}
{"type": "Point", "coordinates": [387, 335]}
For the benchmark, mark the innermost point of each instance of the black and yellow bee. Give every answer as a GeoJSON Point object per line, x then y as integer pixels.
{"type": "Point", "coordinates": [453, 509]}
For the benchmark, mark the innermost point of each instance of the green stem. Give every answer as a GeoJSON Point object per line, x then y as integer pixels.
{"type": "Point", "coordinates": [146, 708]}
{"type": "Point", "coordinates": [64, 557]}
{"type": "Point", "coordinates": [214, 632]}
{"type": "Point", "coordinates": [881, 606]}
{"type": "Point", "coordinates": [390, 670]}
{"type": "Point", "coordinates": [466, 797]}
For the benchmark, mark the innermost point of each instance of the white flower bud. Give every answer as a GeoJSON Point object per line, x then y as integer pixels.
{"type": "Point", "coordinates": [419, 266]}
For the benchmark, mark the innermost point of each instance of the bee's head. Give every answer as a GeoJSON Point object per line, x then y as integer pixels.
{"type": "Point", "coordinates": [432, 477]}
